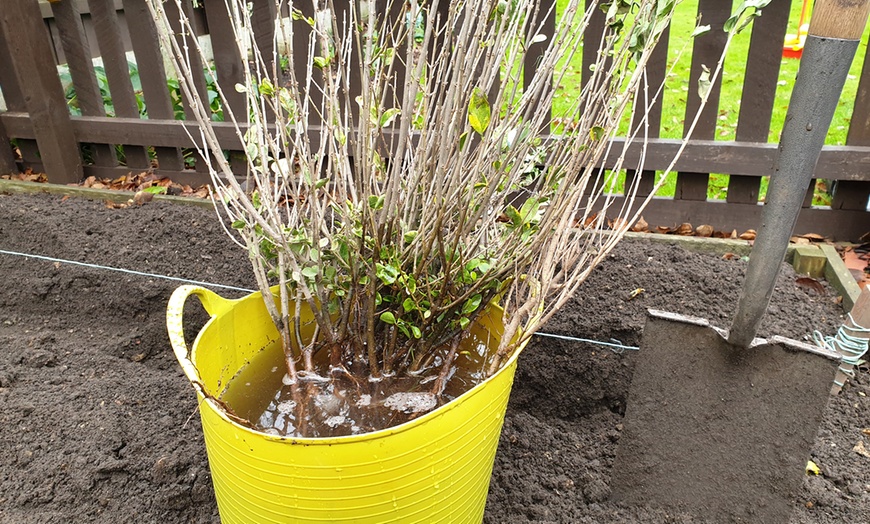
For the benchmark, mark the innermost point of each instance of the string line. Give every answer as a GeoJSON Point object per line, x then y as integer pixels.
{"type": "Point", "coordinates": [615, 345]}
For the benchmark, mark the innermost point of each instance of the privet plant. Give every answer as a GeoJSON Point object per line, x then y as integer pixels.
{"type": "Point", "coordinates": [407, 177]}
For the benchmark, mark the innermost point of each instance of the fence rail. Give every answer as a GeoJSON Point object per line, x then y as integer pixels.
{"type": "Point", "coordinates": [38, 36]}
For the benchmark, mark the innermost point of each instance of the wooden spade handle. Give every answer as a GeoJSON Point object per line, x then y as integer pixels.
{"type": "Point", "coordinates": [839, 18]}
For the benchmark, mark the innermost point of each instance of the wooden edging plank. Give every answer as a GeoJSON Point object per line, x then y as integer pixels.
{"type": "Point", "coordinates": [838, 275]}
{"type": "Point", "coordinates": [107, 195]}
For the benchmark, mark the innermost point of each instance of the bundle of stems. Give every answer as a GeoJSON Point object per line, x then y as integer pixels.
{"type": "Point", "coordinates": [408, 175]}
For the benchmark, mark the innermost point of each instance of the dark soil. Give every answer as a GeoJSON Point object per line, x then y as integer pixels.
{"type": "Point", "coordinates": [97, 423]}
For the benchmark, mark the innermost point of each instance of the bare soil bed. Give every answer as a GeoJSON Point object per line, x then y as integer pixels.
{"type": "Point", "coordinates": [97, 423]}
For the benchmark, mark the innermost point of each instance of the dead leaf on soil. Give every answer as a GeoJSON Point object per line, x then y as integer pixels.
{"type": "Point", "coordinates": [812, 468]}
{"type": "Point", "coordinates": [734, 234]}
{"type": "Point", "coordinates": [685, 229]}
{"type": "Point", "coordinates": [810, 283]}
{"type": "Point", "coordinates": [641, 226]}
{"type": "Point", "coordinates": [730, 256]}
{"type": "Point", "coordinates": [801, 241]}
{"type": "Point", "coordinates": [704, 230]}
{"type": "Point", "coordinates": [813, 237]}
{"type": "Point", "coordinates": [861, 450]}
{"type": "Point", "coordinates": [866, 431]}
{"type": "Point", "coordinates": [749, 234]}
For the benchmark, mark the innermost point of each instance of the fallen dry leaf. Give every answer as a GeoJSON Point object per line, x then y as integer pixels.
{"type": "Point", "coordinates": [733, 233]}
{"type": "Point", "coordinates": [866, 431]}
{"type": "Point", "coordinates": [142, 197]}
{"type": "Point", "coordinates": [685, 229]}
{"type": "Point", "coordinates": [813, 237]}
{"type": "Point", "coordinates": [861, 450]}
{"type": "Point", "coordinates": [704, 230]}
{"type": "Point", "coordinates": [730, 256]}
{"type": "Point", "coordinates": [810, 283]}
{"type": "Point", "coordinates": [749, 234]}
{"type": "Point", "coordinates": [641, 226]}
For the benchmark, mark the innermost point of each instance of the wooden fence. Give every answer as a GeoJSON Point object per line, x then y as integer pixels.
{"type": "Point", "coordinates": [36, 35]}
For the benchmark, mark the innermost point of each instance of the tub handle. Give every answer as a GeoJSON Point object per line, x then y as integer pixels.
{"type": "Point", "coordinates": [214, 305]}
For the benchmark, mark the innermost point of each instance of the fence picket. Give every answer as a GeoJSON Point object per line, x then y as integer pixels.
{"type": "Point", "coordinates": [705, 52]}
{"type": "Point", "coordinates": [27, 43]}
{"type": "Point", "coordinates": [68, 23]}
{"type": "Point", "coordinates": [152, 74]}
{"type": "Point", "coordinates": [852, 194]}
{"type": "Point", "coordinates": [111, 45]}
{"type": "Point", "coordinates": [656, 70]}
{"type": "Point", "coordinates": [759, 92]}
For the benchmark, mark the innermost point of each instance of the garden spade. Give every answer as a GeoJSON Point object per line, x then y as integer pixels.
{"type": "Point", "coordinates": [720, 424]}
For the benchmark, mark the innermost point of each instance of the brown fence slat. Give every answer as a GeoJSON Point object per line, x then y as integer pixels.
{"type": "Point", "coordinates": [108, 33]}
{"type": "Point", "coordinates": [15, 102]}
{"type": "Point", "coordinates": [227, 60]}
{"type": "Point", "coordinates": [656, 70]}
{"type": "Point", "coordinates": [759, 91]}
{"type": "Point", "coordinates": [152, 74]}
{"type": "Point", "coordinates": [28, 44]}
{"type": "Point", "coordinates": [855, 195]}
{"type": "Point", "coordinates": [547, 20]}
{"type": "Point", "coordinates": [7, 157]}
{"type": "Point", "coordinates": [195, 62]}
{"type": "Point", "coordinates": [706, 51]}
{"type": "Point", "coordinates": [71, 36]}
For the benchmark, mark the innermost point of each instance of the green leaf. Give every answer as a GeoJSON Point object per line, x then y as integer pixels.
{"type": "Point", "coordinates": [155, 190]}
{"type": "Point", "coordinates": [462, 138]}
{"type": "Point", "coordinates": [388, 317]}
{"type": "Point", "coordinates": [376, 202]}
{"type": "Point", "coordinates": [321, 62]}
{"type": "Point", "coordinates": [408, 305]}
{"type": "Point", "coordinates": [478, 111]}
{"type": "Point", "coordinates": [514, 215]}
{"type": "Point", "coordinates": [463, 322]}
{"type": "Point", "coordinates": [388, 116]}
{"type": "Point", "coordinates": [471, 304]}
{"type": "Point", "coordinates": [410, 236]}
{"type": "Point", "coordinates": [756, 5]}
{"type": "Point", "coordinates": [700, 30]}
{"type": "Point", "coordinates": [309, 272]}
{"type": "Point", "coordinates": [266, 88]}
{"type": "Point", "coordinates": [387, 274]}
{"type": "Point", "coordinates": [238, 224]}
{"type": "Point", "coordinates": [704, 83]}
{"type": "Point", "coordinates": [596, 133]}
{"type": "Point", "coordinates": [416, 332]}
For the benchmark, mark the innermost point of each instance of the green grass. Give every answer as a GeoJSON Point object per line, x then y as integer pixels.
{"type": "Point", "coordinates": [677, 88]}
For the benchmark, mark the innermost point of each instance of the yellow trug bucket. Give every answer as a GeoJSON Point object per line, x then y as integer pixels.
{"type": "Point", "coordinates": [433, 469]}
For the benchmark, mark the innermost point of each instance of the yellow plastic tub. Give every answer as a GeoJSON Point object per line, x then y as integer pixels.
{"type": "Point", "coordinates": [433, 469]}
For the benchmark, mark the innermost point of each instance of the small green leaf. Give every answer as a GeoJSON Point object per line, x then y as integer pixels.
{"type": "Point", "coordinates": [416, 332]}
{"type": "Point", "coordinates": [239, 224]}
{"type": "Point", "coordinates": [266, 88]}
{"type": "Point", "coordinates": [309, 272]}
{"type": "Point", "coordinates": [387, 274]}
{"type": "Point", "coordinates": [463, 322]}
{"type": "Point", "coordinates": [410, 236]}
{"type": "Point", "coordinates": [376, 202]}
{"type": "Point", "coordinates": [700, 30]}
{"type": "Point", "coordinates": [704, 83]}
{"type": "Point", "coordinates": [388, 318]}
{"type": "Point", "coordinates": [471, 304]}
{"type": "Point", "coordinates": [155, 190]}
{"type": "Point", "coordinates": [321, 62]}
{"type": "Point", "coordinates": [478, 111]}
{"type": "Point", "coordinates": [388, 116]}
{"type": "Point", "coordinates": [596, 133]}
{"type": "Point", "coordinates": [408, 305]}
{"type": "Point", "coordinates": [462, 138]}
